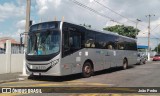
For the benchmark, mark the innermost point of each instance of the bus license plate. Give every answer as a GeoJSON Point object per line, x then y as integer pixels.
{"type": "Point", "coordinates": [35, 73]}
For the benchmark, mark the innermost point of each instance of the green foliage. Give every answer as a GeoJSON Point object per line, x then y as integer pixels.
{"type": "Point", "coordinates": [155, 49]}
{"type": "Point", "coordinates": [128, 31]}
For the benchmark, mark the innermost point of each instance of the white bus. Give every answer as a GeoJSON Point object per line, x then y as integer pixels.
{"type": "Point", "coordinates": [60, 48]}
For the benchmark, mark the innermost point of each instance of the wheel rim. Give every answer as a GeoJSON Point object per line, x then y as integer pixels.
{"type": "Point", "coordinates": [144, 62]}
{"type": "Point", "coordinates": [87, 69]}
{"type": "Point", "coordinates": [125, 65]}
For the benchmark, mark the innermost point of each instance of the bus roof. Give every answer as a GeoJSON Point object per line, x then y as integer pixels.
{"type": "Point", "coordinates": [101, 31]}
{"type": "Point", "coordinates": [109, 32]}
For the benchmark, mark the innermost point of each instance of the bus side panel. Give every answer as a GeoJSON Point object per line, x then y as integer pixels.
{"type": "Point", "coordinates": [134, 57]}
{"type": "Point", "coordinates": [131, 56]}
{"type": "Point", "coordinates": [108, 58]}
{"type": "Point", "coordinates": [119, 56]}
{"type": "Point", "coordinates": [96, 55]}
{"type": "Point", "coordinates": [75, 61]}
{"type": "Point", "coordinates": [72, 63]}
{"type": "Point", "coordinates": [66, 64]}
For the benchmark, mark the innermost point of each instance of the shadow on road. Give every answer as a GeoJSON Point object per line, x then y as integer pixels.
{"type": "Point", "coordinates": [112, 70]}
{"type": "Point", "coordinates": [74, 76]}
{"type": "Point", "coordinates": [56, 78]}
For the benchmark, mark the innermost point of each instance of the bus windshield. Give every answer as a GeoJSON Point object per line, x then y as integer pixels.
{"type": "Point", "coordinates": [43, 43]}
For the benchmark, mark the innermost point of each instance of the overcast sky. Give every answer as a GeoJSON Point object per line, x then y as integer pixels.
{"type": "Point", "coordinates": [12, 15]}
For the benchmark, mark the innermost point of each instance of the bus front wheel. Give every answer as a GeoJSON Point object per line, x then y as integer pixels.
{"type": "Point", "coordinates": [125, 64]}
{"type": "Point", "coordinates": [87, 69]}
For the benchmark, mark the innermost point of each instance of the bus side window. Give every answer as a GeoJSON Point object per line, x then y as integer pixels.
{"type": "Point", "coordinates": [71, 41]}
{"type": "Point", "coordinates": [90, 40]}
{"type": "Point", "coordinates": [89, 43]}
{"type": "Point", "coordinates": [120, 43]}
{"type": "Point", "coordinates": [75, 40]}
{"type": "Point", "coordinates": [65, 45]}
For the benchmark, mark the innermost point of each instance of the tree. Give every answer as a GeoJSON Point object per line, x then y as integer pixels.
{"type": "Point", "coordinates": [128, 31]}
{"type": "Point", "coordinates": [157, 48]}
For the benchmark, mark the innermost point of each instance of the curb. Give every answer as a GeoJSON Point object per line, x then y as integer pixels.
{"type": "Point", "coordinates": [12, 80]}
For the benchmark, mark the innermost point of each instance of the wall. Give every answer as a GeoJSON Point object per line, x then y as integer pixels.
{"type": "Point", "coordinates": [10, 63]}
{"type": "Point", "coordinates": [17, 62]}
{"type": "Point", "coordinates": [3, 66]}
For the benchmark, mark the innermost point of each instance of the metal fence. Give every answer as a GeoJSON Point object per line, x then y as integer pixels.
{"type": "Point", "coordinates": [17, 49]}
{"type": "Point", "coordinates": [2, 51]}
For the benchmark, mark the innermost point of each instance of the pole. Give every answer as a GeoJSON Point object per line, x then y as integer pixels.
{"type": "Point", "coordinates": [149, 16]}
{"type": "Point", "coordinates": [26, 31]}
{"type": "Point", "coordinates": [27, 20]}
{"type": "Point", "coordinates": [149, 39]}
{"type": "Point", "coordinates": [137, 25]}
{"type": "Point", "coordinates": [157, 45]}
{"type": "Point", "coordinates": [136, 28]}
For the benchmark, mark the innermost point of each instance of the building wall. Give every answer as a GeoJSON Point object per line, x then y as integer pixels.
{"type": "Point", "coordinates": [10, 63]}
{"type": "Point", "coordinates": [3, 66]}
{"type": "Point", "coordinates": [4, 39]}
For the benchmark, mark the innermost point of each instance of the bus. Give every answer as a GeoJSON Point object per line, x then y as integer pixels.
{"type": "Point", "coordinates": [57, 48]}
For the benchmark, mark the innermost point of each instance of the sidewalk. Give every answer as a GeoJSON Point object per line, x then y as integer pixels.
{"type": "Point", "coordinates": [11, 77]}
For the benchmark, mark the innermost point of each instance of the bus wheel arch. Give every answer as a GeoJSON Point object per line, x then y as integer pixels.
{"type": "Point", "coordinates": [88, 68]}
{"type": "Point", "coordinates": [125, 63]}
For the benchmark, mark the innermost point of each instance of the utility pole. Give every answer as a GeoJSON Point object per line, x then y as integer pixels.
{"type": "Point", "coordinates": [27, 21]}
{"type": "Point", "coordinates": [25, 34]}
{"type": "Point", "coordinates": [137, 21]}
{"type": "Point", "coordinates": [158, 45]}
{"type": "Point", "coordinates": [149, 18]}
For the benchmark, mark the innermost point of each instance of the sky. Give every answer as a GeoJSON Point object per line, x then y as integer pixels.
{"type": "Point", "coordinates": [12, 15]}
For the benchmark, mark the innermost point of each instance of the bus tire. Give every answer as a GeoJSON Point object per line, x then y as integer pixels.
{"type": "Point", "coordinates": [125, 64]}
{"type": "Point", "coordinates": [87, 70]}
{"type": "Point", "coordinates": [144, 62]}
{"type": "Point", "coordinates": [140, 63]}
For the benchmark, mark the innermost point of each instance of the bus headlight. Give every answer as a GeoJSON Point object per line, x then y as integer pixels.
{"type": "Point", "coordinates": [53, 63]}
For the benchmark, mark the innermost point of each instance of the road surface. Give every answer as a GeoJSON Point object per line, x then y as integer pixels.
{"type": "Point", "coordinates": [147, 75]}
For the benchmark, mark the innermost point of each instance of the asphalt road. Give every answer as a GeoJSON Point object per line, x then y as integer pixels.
{"type": "Point", "coordinates": [147, 75]}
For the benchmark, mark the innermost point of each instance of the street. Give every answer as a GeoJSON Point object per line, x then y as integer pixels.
{"type": "Point", "coordinates": [146, 75]}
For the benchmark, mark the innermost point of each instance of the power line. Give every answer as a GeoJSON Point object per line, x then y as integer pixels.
{"type": "Point", "coordinates": [153, 31]}
{"type": "Point", "coordinates": [94, 11]}
{"type": "Point", "coordinates": [152, 36]}
{"type": "Point", "coordinates": [155, 27]}
{"type": "Point", "coordinates": [116, 12]}
{"type": "Point", "coordinates": [113, 11]}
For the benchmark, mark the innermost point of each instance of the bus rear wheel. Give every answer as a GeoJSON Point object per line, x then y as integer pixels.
{"type": "Point", "coordinates": [87, 70]}
{"type": "Point", "coordinates": [125, 64]}
{"type": "Point", "coordinates": [144, 62]}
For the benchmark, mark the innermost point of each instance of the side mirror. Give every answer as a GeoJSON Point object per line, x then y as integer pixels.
{"type": "Point", "coordinates": [21, 37]}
